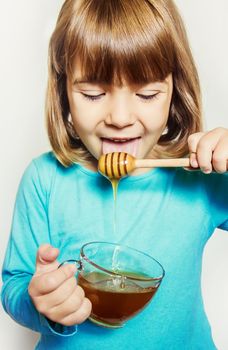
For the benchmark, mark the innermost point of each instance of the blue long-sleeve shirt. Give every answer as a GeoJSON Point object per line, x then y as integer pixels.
{"type": "Point", "coordinates": [167, 213]}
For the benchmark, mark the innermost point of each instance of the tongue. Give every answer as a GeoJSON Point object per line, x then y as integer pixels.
{"type": "Point", "coordinates": [130, 147]}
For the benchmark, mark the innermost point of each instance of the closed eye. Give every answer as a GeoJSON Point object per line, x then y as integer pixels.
{"type": "Point", "coordinates": [147, 97]}
{"type": "Point", "coordinates": [92, 97]}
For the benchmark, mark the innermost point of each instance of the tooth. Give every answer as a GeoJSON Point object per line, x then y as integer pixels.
{"type": "Point", "coordinates": [118, 141]}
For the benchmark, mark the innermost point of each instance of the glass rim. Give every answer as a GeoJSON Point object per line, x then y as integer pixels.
{"type": "Point", "coordinates": [84, 256]}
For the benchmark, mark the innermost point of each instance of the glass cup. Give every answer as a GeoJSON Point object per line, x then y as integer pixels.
{"type": "Point", "coordinates": [118, 280]}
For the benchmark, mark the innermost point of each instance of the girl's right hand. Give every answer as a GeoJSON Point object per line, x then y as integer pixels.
{"type": "Point", "coordinates": [55, 292]}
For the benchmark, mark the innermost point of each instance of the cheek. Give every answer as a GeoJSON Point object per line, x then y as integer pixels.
{"type": "Point", "coordinates": [78, 117]}
{"type": "Point", "coordinates": [84, 116]}
{"type": "Point", "coordinates": [77, 107]}
{"type": "Point", "coordinates": [156, 118]}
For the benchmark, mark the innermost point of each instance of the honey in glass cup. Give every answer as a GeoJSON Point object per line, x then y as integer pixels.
{"type": "Point", "coordinates": [118, 280]}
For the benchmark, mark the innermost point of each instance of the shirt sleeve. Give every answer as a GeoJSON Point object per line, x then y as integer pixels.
{"type": "Point", "coordinates": [29, 230]}
{"type": "Point", "coordinates": [217, 190]}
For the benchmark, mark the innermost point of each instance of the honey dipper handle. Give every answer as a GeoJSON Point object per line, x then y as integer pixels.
{"type": "Point", "coordinates": [152, 163]}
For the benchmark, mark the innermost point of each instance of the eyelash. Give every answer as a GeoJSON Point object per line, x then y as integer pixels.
{"type": "Point", "coordinates": [97, 97]}
{"type": "Point", "coordinates": [93, 97]}
{"type": "Point", "coordinates": [147, 97]}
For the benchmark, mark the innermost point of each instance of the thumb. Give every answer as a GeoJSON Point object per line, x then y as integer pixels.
{"type": "Point", "coordinates": [46, 258]}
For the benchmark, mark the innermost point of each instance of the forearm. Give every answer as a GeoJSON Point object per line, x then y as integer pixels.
{"type": "Point", "coordinates": [18, 304]}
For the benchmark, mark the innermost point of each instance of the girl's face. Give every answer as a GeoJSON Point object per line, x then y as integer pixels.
{"type": "Point", "coordinates": [112, 119]}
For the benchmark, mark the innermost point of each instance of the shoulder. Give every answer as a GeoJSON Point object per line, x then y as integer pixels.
{"type": "Point", "coordinates": [44, 170]}
{"type": "Point", "coordinates": [42, 166]}
{"type": "Point", "coordinates": [46, 162]}
{"type": "Point", "coordinates": [216, 186]}
{"type": "Point", "coordinates": [211, 182]}
{"type": "Point", "coordinates": [210, 190]}
{"type": "Point", "coordinates": [40, 173]}
{"type": "Point", "coordinates": [217, 189]}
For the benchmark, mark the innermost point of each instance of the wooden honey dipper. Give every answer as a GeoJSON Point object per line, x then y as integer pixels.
{"type": "Point", "coordinates": [119, 164]}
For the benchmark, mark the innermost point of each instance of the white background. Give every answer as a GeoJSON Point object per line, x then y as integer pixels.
{"type": "Point", "coordinates": [25, 28]}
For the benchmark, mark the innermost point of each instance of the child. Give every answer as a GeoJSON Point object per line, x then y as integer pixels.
{"type": "Point", "coordinates": [121, 78]}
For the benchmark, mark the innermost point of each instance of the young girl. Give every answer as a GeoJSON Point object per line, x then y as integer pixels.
{"type": "Point", "coordinates": [121, 78]}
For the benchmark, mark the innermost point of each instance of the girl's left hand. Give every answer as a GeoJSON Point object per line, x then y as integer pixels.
{"type": "Point", "coordinates": [209, 150]}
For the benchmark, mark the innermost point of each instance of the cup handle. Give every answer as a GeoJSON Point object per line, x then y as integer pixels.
{"type": "Point", "coordinates": [78, 263]}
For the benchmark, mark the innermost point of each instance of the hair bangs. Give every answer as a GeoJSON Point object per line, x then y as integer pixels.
{"type": "Point", "coordinates": [114, 45]}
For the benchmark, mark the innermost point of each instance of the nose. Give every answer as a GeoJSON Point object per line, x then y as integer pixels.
{"type": "Point", "coordinates": [120, 114]}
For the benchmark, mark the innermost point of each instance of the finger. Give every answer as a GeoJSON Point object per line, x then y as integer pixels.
{"type": "Point", "coordinates": [60, 295]}
{"type": "Point", "coordinates": [46, 258]}
{"type": "Point", "coordinates": [193, 141]}
{"type": "Point", "coordinates": [205, 148]}
{"type": "Point", "coordinates": [69, 306]}
{"type": "Point", "coordinates": [220, 156]}
{"type": "Point", "coordinates": [79, 316]}
{"type": "Point", "coordinates": [193, 160]}
{"type": "Point", "coordinates": [50, 281]}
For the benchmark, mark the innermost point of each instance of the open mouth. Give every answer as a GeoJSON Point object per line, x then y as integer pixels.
{"type": "Point", "coordinates": [127, 145]}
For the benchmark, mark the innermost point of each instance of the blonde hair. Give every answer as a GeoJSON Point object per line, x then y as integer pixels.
{"type": "Point", "coordinates": [136, 40]}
